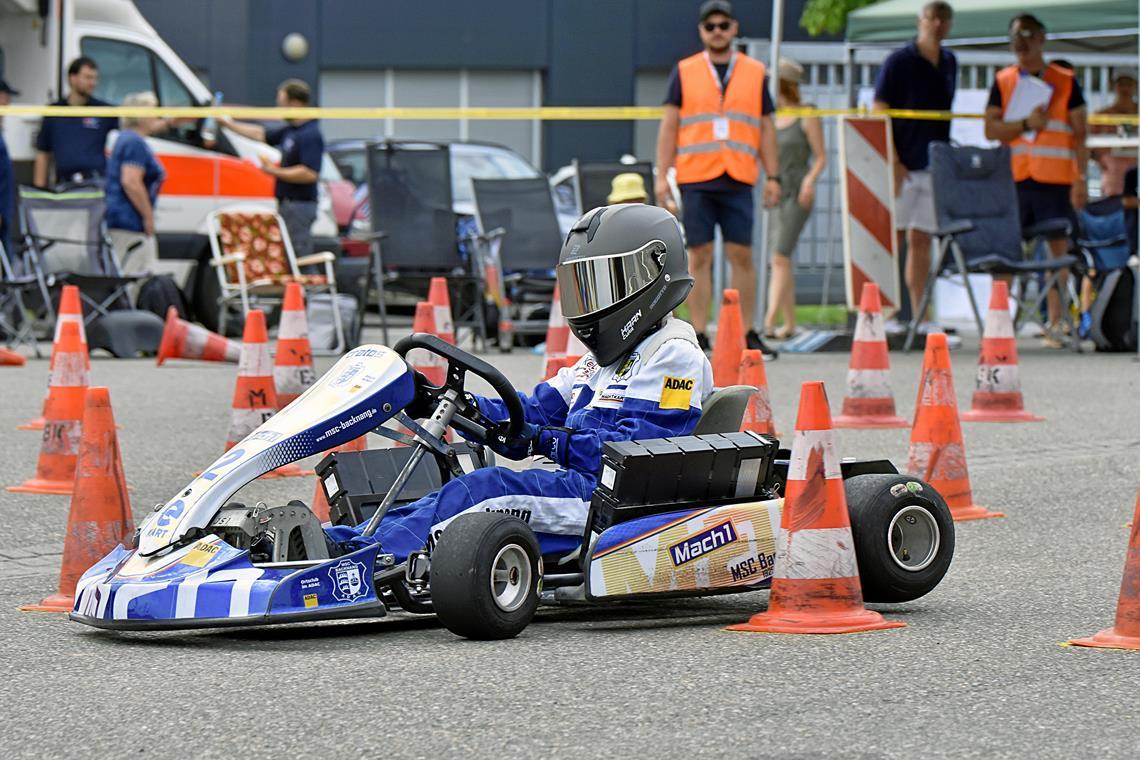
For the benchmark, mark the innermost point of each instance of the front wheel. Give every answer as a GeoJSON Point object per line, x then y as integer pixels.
{"type": "Point", "coordinates": [904, 536]}
{"type": "Point", "coordinates": [486, 571]}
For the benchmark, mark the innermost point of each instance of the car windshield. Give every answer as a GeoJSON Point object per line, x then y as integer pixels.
{"type": "Point", "coordinates": [470, 162]}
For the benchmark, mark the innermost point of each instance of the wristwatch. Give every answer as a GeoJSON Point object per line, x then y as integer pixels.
{"type": "Point", "coordinates": [775, 178]}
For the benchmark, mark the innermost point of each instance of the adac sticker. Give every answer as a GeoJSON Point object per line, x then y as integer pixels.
{"type": "Point", "coordinates": [676, 392]}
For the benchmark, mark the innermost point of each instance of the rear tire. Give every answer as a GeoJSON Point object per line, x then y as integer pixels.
{"type": "Point", "coordinates": [904, 536]}
{"type": "Point", "coordinates": [486, 572]}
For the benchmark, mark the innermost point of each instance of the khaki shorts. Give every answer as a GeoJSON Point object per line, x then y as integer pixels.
{"type": "Point", "coordinates": [914, 206]}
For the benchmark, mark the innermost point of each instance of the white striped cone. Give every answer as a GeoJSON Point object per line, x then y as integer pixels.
{"type": "Point", "coordinates": [440, 301]}
{"type": "Point", "coordinates": [430, 365]}
{"type": "Point", "coordinates": [869, 401]}
{"type": "Point", "coordinates": [70, 310]}
{"type": "Point", "coordinates": [997, 386]}
{"type": "Point", "coordinates": [815, 582]}
{"type": "Point", "coordinates": [293, 371]}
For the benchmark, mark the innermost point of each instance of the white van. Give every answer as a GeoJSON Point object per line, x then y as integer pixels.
{"type": "Point", "coordinates": [34, 53]}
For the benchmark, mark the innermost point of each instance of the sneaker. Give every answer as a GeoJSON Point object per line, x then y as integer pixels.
{"type": "Point", "coordinates": [755, 342]}
{"type": "Point", "coordinates": [925, 328]}
{"type": "Point", "coordinates": [703, 342]}
{"type": "Point", "coordinates": [894, 327]}
{"type": "Point", "coordinates": [1055, 336]}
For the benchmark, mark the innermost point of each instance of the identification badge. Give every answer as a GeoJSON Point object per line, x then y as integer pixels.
{"type": "Point", "coordinates": [720, 128]}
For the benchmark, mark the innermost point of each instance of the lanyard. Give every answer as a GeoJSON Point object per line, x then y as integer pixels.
{"type": "Point", "coordinates": [727, 74]}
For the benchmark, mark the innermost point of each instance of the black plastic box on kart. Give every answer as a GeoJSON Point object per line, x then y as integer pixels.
{"type": "Point", "coordinates": [355, 482]}
{"type": "Point", "coordinates": [668, 474]}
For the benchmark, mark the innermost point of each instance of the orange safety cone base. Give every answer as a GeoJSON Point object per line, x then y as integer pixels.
{"type": "Point", "coordinates": [856, 621]}
{"type": "Point", "coordinates": [36, 424]}
{"type": "Point", "coordinates": [973, 512]}
{"type": "Point", "coordinates": [1012, 415]}
{"type": "Point", "coordinates": [53, 603]}
{"type": "Point", "coordinates": [881, 421]}
{"type": "Point", "coordinates": [288, 471]}
{"type": "Point", "coordinates": [1108, 639]}
{"type": "Point", "coordinates": [38, 485]}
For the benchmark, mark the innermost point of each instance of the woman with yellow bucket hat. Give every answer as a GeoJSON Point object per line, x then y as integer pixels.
{"type": "Point", "coordinates": [627, 188]}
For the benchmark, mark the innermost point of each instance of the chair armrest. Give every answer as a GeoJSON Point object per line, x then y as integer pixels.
{"type": "Point", "coordinates": [1102, 243]}
{"type": "Point", "coordinates": [316, 258]}
{"type": "Point", "coordinates": [956, 227]}
{"type": "Point", "coordinates": [1046, 227]}
{"type": "Point", "coordinates": [498, 232]}
{"type": "Point", "coordinates": [233, 258]}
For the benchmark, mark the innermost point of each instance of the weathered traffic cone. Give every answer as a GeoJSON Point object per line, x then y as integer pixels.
{"type": "Point", "coordinates": [1125, 634]}
{"type": "Point", "coordinates": [937, 453]}
{"type": "Point", "coordinates": [870, 402]}
{"type": "Point", "coordinates": [11, 358]}
{"type": "Point", "coordinates": [293, 364]}
{"type": "Point", "coordinates": [255, 398]}
{"type": "Point", "coordinates": [758, 413]}
{"type": "Point", "coordinates": [320, 503]}
{"type": "Point", "coordinates": [429, 364]}
{"type": "Point", "coordinates": [55, 470]}
{"type": "Point", "coordinates": [555, 365]}
{"type": "Point", "coordinates": [729, 343]}
{"type": "Point", "coordinates": [815, 583]}
{"type": "Point", "coordinates": [557, 335]}
{"type": "Point", "coordinates": [997, 387]}
{"type": "Point", "coordinates": [506, 326]}
{"type": "Point", "coordinates": [100, 516]}
{"type": "Point", "coordinates": [441, 309]}
{"type": "Point", "coordinates": [70, 310]}
{"type": "Point", "coordinates": [185, 340]}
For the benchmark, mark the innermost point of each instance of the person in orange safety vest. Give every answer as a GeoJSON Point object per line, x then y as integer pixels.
{"type": "Point", "coordinates": [716, 130]}
{"type": "Point", "coordinates": [1049, 156]}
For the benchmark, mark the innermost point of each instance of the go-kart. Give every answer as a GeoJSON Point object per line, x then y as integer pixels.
{"type": "Point", "coordinates": [685, 516]}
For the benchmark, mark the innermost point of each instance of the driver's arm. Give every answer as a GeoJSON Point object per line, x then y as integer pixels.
{"type": "Point", "coordinates": [548, 404]}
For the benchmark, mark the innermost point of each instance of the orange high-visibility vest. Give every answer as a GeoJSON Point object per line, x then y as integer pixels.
{"type": "Point", "coordinates": [702, 153]}
{"type": "Point", "coordinates": [1051, 158]}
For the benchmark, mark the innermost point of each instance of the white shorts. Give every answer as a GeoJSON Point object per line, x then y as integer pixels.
{"type": "Point", "coordinates": [914, 206]}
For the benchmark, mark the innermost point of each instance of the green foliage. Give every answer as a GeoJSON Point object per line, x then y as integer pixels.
{"type": "Point", "coordinates": [829, 16]}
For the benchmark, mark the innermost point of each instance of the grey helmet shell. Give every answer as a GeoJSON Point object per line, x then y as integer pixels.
{"type": "Point", "coordinates": [612, 332]}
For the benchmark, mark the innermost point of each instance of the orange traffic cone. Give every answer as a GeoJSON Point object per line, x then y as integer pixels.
{"type": "Point", "coordinates": [70, 310]}
{"type": "Point", "coordinates": [1125, 634]}
{"type": "Point", "coordinates": [293, 365]}
{"type": "Point", "coordinates": [815, 584]}
{"type": "Point", "coordinates": [184, 340]}
{"type": "Point", "coordinates": [870, 402]}
{"type": "Point", "coordinates": [255, 399]}
{"type": "Point", "coordinates": [320, 504]}
{"type": "Point", "coordinates": [937, 453]}
{"type": "Point", "coordinates": [997, 388]}
{"type": "Point", "coordinates": [55, 470]}
{"type": "Point", "coordinates": [11, 358]}
{"type": "Point", "coordinates": [430, 365]}
{"type": "Point", "coordinates": [441, 309]}
{"type": "Point", "coordinates": [758, 413]}
{"type": "Point", "coordinates": [554, 365]}
{"type": "Point", "coordinates": [100, 517]}
{"type": "Point", "coordinates": [729, 341]}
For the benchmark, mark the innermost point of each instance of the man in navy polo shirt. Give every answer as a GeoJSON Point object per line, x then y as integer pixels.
{"type": "Point", "coordinates": [302, 148]}
{"type": "Point", "coordinates": [922, 76]}
{"type": "Point", "coordinates": [7, 178]}
{"type": "Point", "coordinates": [77, 144]}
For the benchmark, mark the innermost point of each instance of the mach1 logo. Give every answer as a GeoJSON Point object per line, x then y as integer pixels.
{"type": "Point", "coordinates": [701, 544]}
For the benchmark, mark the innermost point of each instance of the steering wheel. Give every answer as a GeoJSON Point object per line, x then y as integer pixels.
{"type": "Point", "coordinates": [467, 418]}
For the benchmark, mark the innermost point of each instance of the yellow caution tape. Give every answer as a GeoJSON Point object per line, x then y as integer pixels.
{"type": "Point", "coordinates": [544, 113]}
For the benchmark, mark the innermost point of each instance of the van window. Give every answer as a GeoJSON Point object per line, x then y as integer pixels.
{"type": "Point", "coordinates": [123, 68]}
{"type": "Point", "coordinates": [171, 91]}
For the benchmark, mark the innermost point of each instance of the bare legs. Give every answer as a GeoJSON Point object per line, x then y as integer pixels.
{"type": "Point", "coordinates": [743, 280]}
{"type": "Point", "coordinates": [917, 268]}
{"type": "Point", "coordinates": [781, 295]}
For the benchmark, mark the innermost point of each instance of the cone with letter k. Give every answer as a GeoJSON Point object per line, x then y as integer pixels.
{"type": "Point", "coordinates": [815, 583]}
{"type": "Point", "coordinates": [997, 389]}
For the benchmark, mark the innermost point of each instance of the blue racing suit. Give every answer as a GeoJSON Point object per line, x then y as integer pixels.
{"type": "Point", "coordinates": [654, 392]}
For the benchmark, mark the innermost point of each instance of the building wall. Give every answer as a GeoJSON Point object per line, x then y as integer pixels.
{"type": "Point", "coordinates": [586, 52]}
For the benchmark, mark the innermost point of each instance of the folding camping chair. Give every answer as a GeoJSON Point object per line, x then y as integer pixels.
{"type": "Point", "coordinates": [411, 205]}
{"type": "Point", "coordinates": [253, 258]}
{"type": "Point", "coordinates": [16, 325]}
{"type": "Point", "coordinates": [980, 232]}
{"type": "Point", "coordinates": [66, 243]}
{"type": "Point", "coordinates": [595, 181]}
{"type": "Point", "coordinates": [528, 250]}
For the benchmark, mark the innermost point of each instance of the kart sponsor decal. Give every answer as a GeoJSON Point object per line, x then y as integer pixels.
{"type": "Point", "coordinates": [270, 436]}
{"type": "Point", "coordinates": [347, 422]}
{"type": "Point", "coordinates": [722, 547]}
{"type": "Point", "coordinates": [901, 489]}
{"type": "Point", "coordinates": [611, 396]}
{"type": "Point", "coordinates": [625, 371]}
{"type": "Point", "coordinates": [586, 367]}
{"type": "Point", "coordinates": [348, 580]}
{"type": "Point", "coordinates": [703, 543]}
{"type": "Point", "coordinates": [308, 583]}
{"type": "Point", "coordinates": [676, 392]}
{"type": "Point", "coordinates": [311, 600]}
{"type": "Point", "coordinates": [200, 554]}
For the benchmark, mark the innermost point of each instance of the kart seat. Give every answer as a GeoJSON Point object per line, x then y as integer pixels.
{"type": "Point", "coordinates": [723, 410]}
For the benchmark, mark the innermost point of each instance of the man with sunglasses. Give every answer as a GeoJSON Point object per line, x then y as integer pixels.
{"type": "Point", "coordinates": [920, 75]}
{"type": "Point", "coordinates": [717, 129]}
{"type": "Point", "coordinates": [1049, 156]}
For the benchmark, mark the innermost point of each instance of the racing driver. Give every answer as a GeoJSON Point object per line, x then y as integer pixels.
{"type": "Point", "coordinates": [621, 272]}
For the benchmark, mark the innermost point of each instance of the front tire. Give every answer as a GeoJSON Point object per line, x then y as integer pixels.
{"type": "Point", "coordinates": [904, 536]}
{"type": "Point", "coordinates": [486, 571]}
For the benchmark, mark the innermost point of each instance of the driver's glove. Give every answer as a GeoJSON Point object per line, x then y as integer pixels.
{"type": "Point", "coordinates": [520, 447]}
{"type": "Point", "coordinates": [554, 444]}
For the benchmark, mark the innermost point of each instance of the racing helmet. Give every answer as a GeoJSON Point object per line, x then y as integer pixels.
{"type": "Point", "coordinates": [621, 271]}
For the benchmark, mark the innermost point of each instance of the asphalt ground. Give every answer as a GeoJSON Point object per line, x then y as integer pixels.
{"type": "Point", "coordinates": [977, 672]}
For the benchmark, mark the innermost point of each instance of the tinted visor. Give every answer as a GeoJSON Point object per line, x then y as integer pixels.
{"type": "Point", "coordinates": [591, 285]}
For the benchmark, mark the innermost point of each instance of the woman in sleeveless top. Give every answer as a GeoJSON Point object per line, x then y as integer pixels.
{"type": "Point", "coordinates": [802, 160]}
